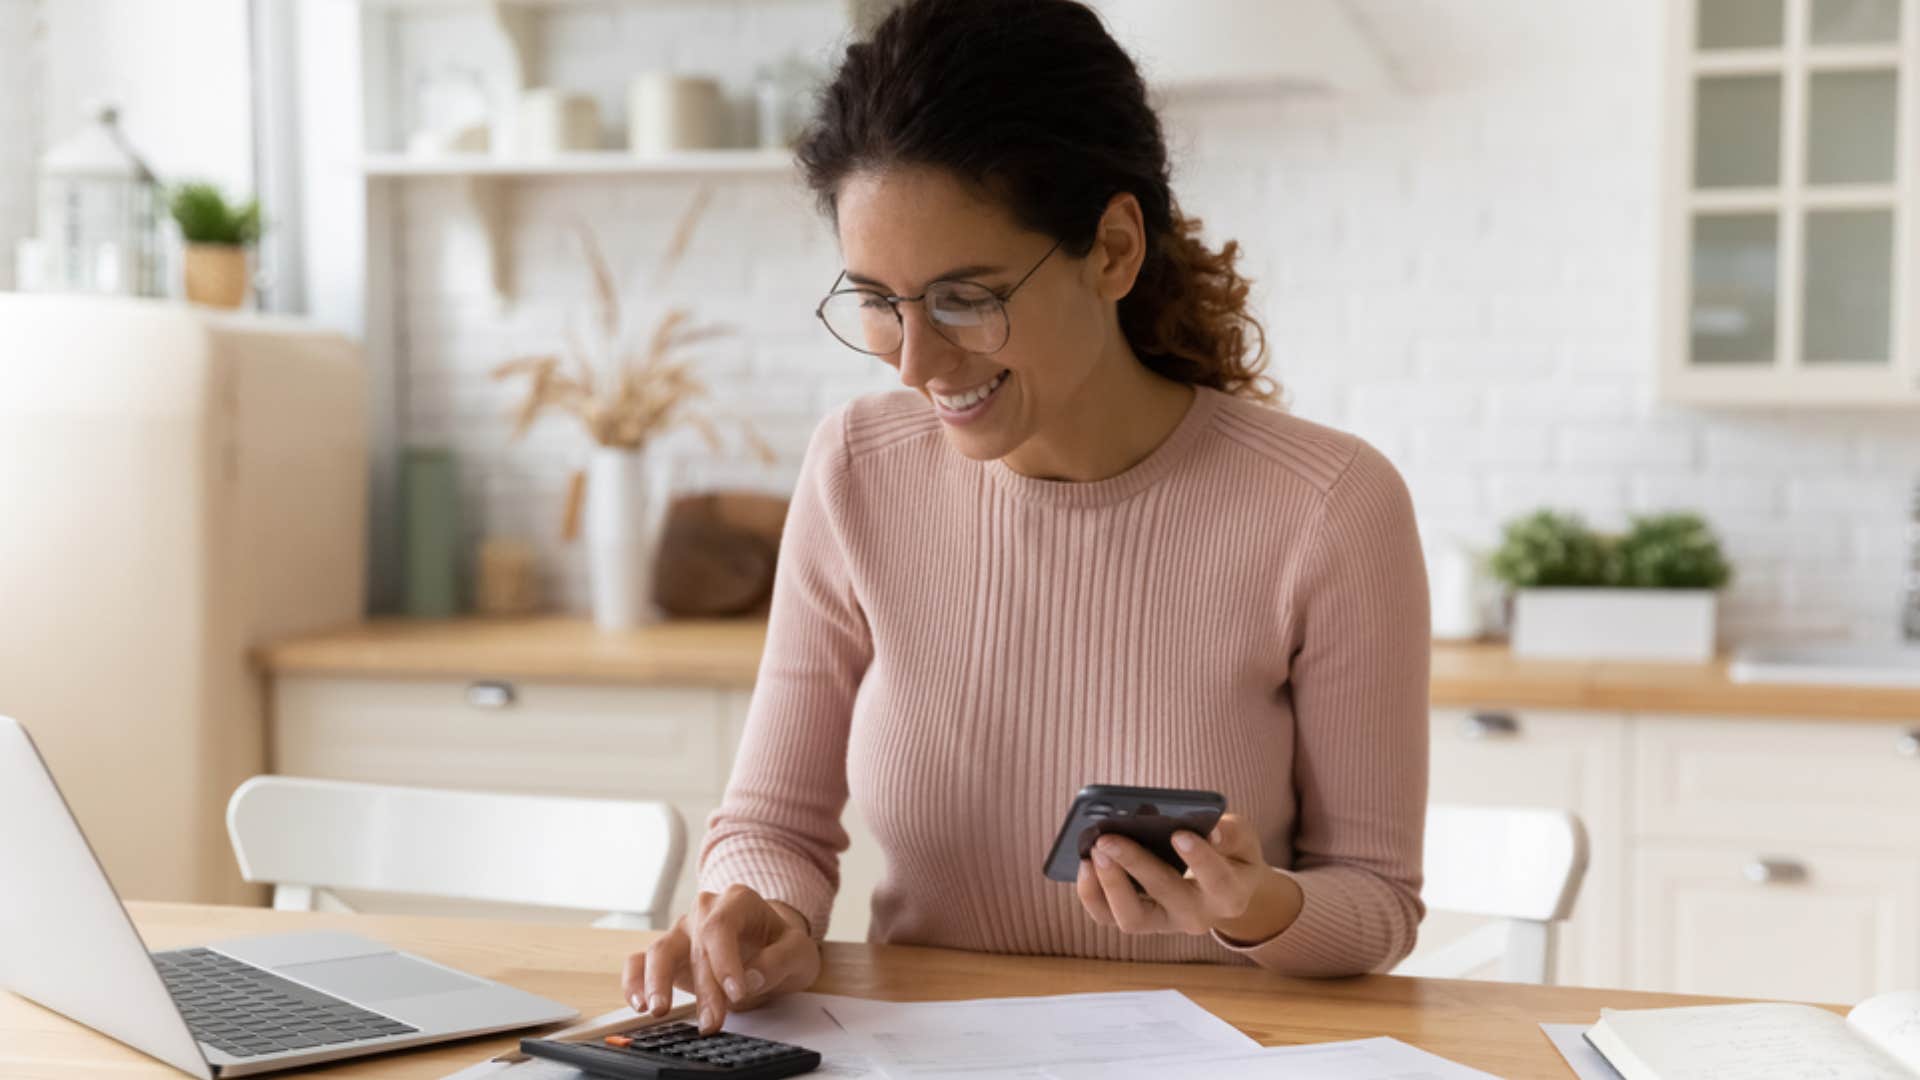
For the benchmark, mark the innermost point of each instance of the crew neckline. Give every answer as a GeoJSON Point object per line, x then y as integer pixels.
{"type": "Point", "coordinates": [1141, 475]}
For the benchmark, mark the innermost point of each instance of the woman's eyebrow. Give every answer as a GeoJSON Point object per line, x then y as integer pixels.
{"type": "Point", "coordinates": [950, 275]}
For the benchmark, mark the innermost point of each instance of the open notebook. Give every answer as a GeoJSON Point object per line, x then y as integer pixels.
{"type": "Point", "coordinates": [1878, 1040]}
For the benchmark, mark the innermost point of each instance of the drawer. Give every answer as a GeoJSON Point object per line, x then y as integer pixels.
{"type": "Point", "coordinates": [608, 741]}
{"type": "Point", "coordinates": [1807, 924]}
{"type": "Point", "coordinates": [1839, 784]}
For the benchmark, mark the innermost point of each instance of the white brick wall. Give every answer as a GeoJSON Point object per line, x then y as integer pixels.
{"type": "Point", "coordinates": [1464, 274]}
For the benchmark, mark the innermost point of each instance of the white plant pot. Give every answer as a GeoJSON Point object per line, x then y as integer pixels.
{"type": "Point", "coordinates": [626, 508]}
{"type": "Point", "coordinates": [1614, 624]}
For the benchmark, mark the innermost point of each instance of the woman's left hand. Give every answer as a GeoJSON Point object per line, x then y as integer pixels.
{"type": "Point", "coordinates": [1226, 877]}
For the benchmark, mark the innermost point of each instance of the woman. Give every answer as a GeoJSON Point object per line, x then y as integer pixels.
{"type": "Point", "coordinates": [1079, 548]}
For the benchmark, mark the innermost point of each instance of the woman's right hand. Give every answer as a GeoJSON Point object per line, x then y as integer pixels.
{"type": "Point", "coordinates": [734, 950]}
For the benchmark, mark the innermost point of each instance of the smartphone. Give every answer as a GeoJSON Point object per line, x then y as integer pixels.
{"type": "Point", "coordinates": [1149, 816]}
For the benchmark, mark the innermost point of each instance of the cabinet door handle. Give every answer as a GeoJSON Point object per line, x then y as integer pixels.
{"type": "Point", "coordinates": [1762, 871]}
{"type": "Point", "coordinates": [1909, 744]}
{"type": "Point", "coordinates": [1490, 725]}
{"type": "Point", "coordinates": [490, 695]}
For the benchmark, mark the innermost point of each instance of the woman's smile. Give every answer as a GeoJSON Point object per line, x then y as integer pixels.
{"type": "Point", "coordinates": [964, 406]}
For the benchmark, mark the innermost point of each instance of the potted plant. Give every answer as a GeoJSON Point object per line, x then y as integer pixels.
{"type": "Point", "coordinates": [1648, 594]}
{"type": "Point", "coordinates": [217, 234]}
{"type": "Point", "coordinates": [628, 383]}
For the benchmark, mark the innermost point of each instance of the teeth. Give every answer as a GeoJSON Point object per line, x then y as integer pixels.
{"type": "Point", "coordinates": [963, 402]}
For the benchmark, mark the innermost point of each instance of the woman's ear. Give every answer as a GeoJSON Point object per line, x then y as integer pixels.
{"type": "Point", "coordinates": [1119, 247]}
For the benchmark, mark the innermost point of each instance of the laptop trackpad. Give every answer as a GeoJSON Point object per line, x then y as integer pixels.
{"type": "Point", "coordinates": [378, 978]}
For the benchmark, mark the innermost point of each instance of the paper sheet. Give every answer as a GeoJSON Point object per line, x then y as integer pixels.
{"type": "Point", "coordinates": [1023, 1036]}
{"type": "Point", "coordinates": [1582, 1058]}
{"type": "Point", "coordinates": [1360, 1059]}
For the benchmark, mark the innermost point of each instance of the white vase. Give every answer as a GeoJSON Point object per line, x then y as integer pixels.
{"type": "Point", "coordinates": [1614, 624]}
{"type": "Point", "coordinates": [626, 508]}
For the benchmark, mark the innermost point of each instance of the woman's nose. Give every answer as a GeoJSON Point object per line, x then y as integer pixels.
{"type": "Point", "coordinates": [923, 352]}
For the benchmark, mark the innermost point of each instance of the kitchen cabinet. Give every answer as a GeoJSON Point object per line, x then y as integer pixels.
{"type": "Point", "coordinates": [1788, 253]}
{"type": "Point", "coordinates": [1567, 760]}
{"type": "Point", "coordinates": [1759, 857]}
{"type": "Point", "coordinates": [673, 743]}
{"type": "Point", "coordinates": [1775, 920]}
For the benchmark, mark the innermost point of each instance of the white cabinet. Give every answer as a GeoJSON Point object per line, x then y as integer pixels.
{"type": "Point", "coordinates": [1789, 255]}
{"type": "Point", "coordinates": [1570, 761]}
{"type": "Point", "coordinates": [1775, 921]}
{"type": "Point", "coordinates": [671, 743]}
{"type": "Point", "coordinates": [1754, 857]}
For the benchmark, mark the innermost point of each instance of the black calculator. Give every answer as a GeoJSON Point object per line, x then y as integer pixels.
{"type": "Point", "coordinates": [679, 1052]}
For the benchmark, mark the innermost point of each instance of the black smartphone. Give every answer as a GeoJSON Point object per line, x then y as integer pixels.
{"type": "Point", "coordinates": [1149, 816]}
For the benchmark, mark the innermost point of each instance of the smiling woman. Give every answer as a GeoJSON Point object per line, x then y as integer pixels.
{"type": "Point", "coordinates": [1080, 547]}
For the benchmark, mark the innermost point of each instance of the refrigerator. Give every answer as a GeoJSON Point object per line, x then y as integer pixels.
{"type": "Point", "coordinates": [177, 487]}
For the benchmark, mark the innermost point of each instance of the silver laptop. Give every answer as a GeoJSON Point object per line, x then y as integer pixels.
{"type": "Point", "coordinates": [230, 1008]}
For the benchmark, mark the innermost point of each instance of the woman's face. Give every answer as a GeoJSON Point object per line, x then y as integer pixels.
{"type": "Point", "coordinates": [904, 228]}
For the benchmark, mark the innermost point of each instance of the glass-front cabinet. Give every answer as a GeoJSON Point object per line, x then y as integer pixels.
{"type": "Point", "coordinates": [1789, 248]}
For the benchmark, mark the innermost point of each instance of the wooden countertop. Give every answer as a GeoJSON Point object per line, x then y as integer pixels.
{"type": "Point", "coordinates": [715, 652]}
{"type": "Point", "coordinates": [726, 653]}
{"type": "Point", "coordinates": [1486, 1025]}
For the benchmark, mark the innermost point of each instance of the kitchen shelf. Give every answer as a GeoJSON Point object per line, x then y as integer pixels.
{"type": "Point", "coordinates": [584, 163]}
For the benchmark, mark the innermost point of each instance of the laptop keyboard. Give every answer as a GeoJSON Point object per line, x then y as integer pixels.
{"type": "Point", "coordinates": [248, 1011]}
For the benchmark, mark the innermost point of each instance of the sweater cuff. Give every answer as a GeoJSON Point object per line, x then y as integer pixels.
{"type": "Point", "coordinates": [1332, 936]}
{"type": "Point", "coordinates": [776, 874]}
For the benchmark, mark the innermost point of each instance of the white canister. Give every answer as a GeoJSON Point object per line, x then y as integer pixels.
{"type": "Point", "coordinates": [627, 492]}
{"type": "Point", "coordinates": [550, 121]}
{"type": "Point", "coordinates": [667, 112]}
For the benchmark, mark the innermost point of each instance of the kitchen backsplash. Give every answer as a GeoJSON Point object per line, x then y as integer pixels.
{"type": "Point", "coordinates": [1463, 274]}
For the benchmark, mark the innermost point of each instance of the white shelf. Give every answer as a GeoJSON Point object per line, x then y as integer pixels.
{"type": "Point", "coordinates": [586, 163]}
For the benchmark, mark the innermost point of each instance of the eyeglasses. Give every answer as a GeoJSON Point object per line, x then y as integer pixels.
{"type": "Point", "coordinates": [966, 313]}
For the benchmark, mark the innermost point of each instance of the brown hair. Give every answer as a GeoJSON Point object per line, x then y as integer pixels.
{"type": "Point", "coordinates": [1033, 102]}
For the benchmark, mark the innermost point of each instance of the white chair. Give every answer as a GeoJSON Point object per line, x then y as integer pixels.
{"type": "Point", "coordinates": [1519, 865]}
{"type": "Point", "coordinates": [310, 837]}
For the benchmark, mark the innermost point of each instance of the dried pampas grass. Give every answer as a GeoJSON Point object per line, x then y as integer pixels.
{"type": "Point", "coordinates": [627, 396]}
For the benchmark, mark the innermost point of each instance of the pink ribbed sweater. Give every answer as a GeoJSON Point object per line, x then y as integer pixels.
{"type": "Point", "coordinates": [961, 648]}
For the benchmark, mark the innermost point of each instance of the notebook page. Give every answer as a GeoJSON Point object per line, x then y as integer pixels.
{"type": "Point", "coordinates": [1892, 1022]}
{"type": "Point", "coordinates": [1749, 1042]}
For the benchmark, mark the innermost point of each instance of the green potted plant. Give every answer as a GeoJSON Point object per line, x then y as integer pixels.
{"type": "Point", "coordinates": [217, 234]}
{"type": "Point", "coordinates": [1647, 594]}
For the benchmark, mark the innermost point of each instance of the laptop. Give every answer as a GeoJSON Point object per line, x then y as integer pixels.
{"type": "Point", "coordinates": [229, 1008]}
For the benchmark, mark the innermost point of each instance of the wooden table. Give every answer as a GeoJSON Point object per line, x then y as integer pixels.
{"type": "Point", "coordinates": [1492, 1026]}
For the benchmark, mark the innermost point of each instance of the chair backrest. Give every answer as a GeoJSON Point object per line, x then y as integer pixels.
{"type": "Point", "coordinates": [1520, 865]}
{"type": "Point", "coordinates": [617, 856]}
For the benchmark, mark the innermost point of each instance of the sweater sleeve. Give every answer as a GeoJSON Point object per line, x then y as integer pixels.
{"type": "Point", "coordinates": [1359, 689]}
{"type": "Point", "coordinates": [777, 829]}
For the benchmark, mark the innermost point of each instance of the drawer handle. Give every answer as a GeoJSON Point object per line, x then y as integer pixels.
{"type": "Point", "coordinates": [1491, 725]}
{"type": "Point", "coordinates": [1776, 872]}
{"type": "Point", "coordinates": [490, 695]}
{"type": "Point", "coordinates": [1910, 743]}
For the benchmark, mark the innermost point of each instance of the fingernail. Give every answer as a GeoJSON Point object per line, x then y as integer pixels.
{"type": "Point", "coordinates": [755, 980]}
{"type": "Point", "coordinates": [706, 1020]}
{"type": "Point", "coordinates": [634, 1000]}
{"type": "Point", "coordinates": [1184, 841]}
{"type": "Point", "coordinates": [1100, 857]}
{"type": "Point", "coordinates": [657, 1003]}
{"type": "Point", "coordinates": [733, 988]}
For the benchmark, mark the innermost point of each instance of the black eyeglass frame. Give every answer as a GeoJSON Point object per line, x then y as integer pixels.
{"type": "Point", "coordinates": [894, 302]}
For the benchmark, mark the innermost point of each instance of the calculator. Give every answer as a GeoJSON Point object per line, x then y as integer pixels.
{"type": "Point", "coordinates": [679, 1052]}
